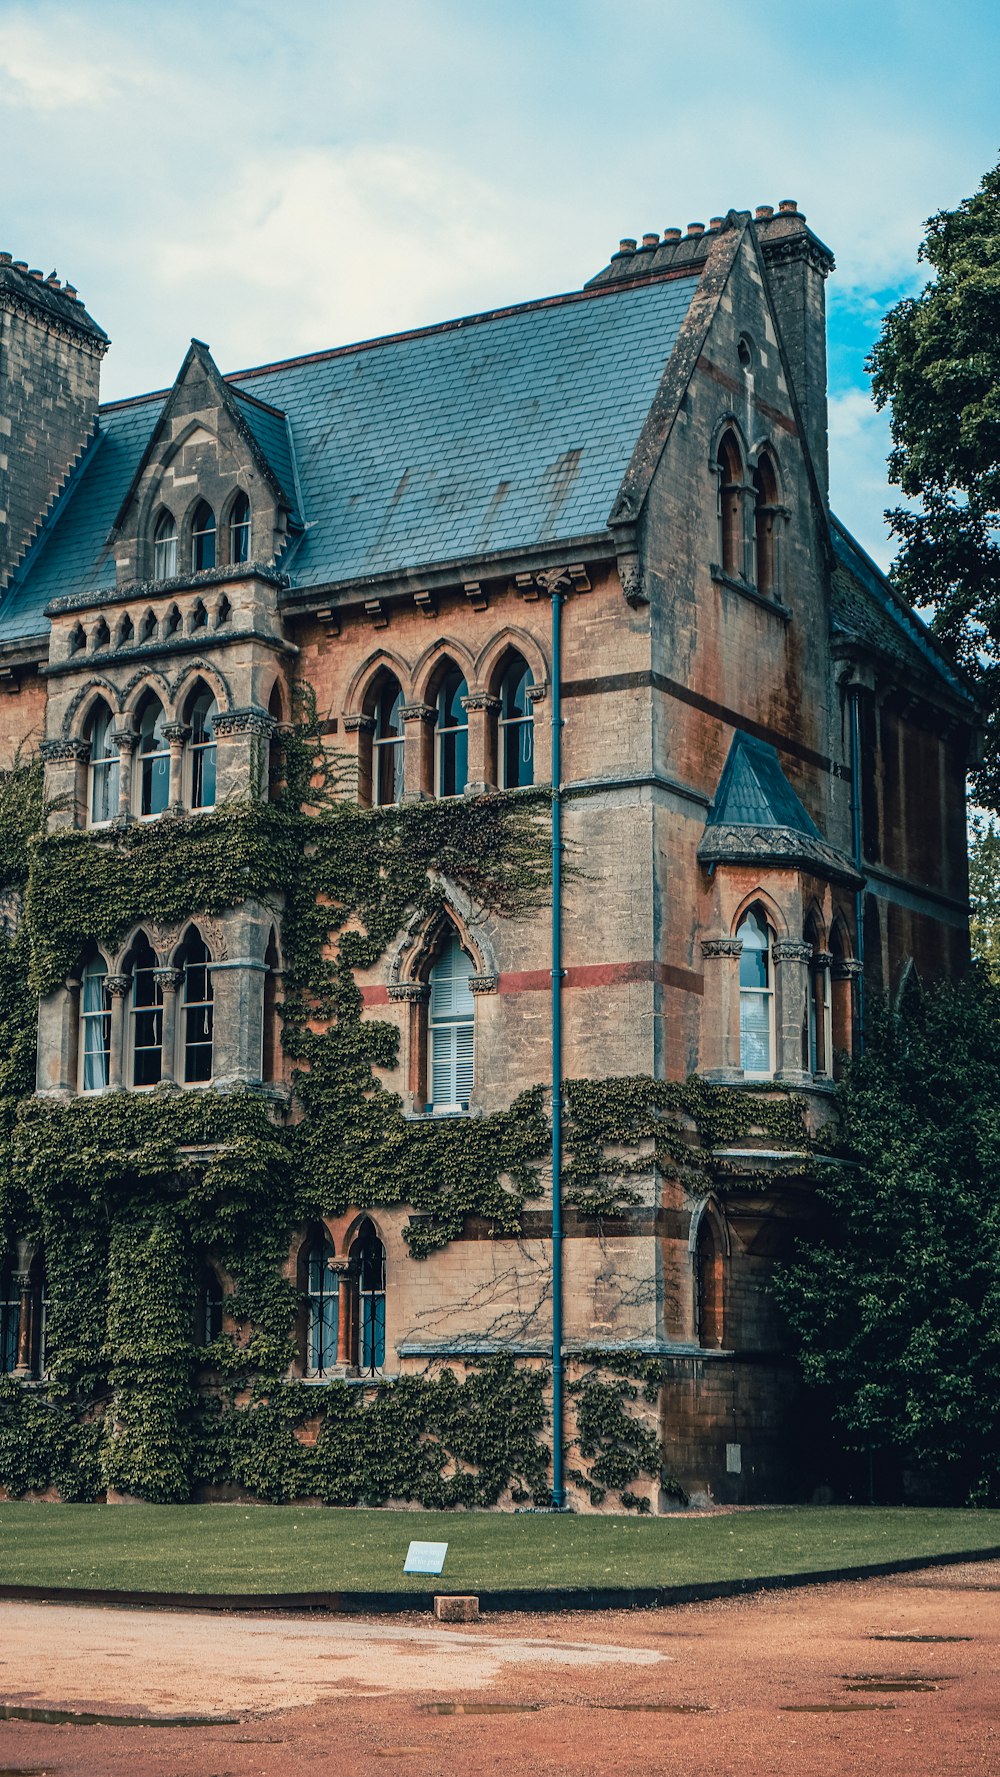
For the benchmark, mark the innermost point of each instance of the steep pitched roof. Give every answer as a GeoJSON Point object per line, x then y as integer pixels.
{"type": "Point", "coordinates": [757, 818]}
{"type": "Point", "coordinates": [493, 433]}
{"type": "Point", "coordinates": [865, 608]}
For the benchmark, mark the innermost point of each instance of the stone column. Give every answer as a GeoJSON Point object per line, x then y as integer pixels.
{"type": "Point", "coordinates": [168, 981]}
{"type": "Point", "coordinates": [418, 751]}
{"type": "Point", "coordinates": [125, 741]}
{"type": "Point", "coordinates": [484, 764]}
{"type": "Point", "coordinates": [846, 973]}
{"type": "Point", "coordinates": [414, 995]}
{"type": "Point", "coordinates": [242, 742]}
{"type": "Point", "coordinates": [22, 1281]}
{"type": "Point", "coordinates": [720, 1047]}
{"type": "Point", "coordinates": [364, 727]}
{"type": "Point", "coordinates": [66, 781]}
{"type": "Point", "coordinates": [791, 958]}
{"type": "Point", "coordinates": [176, 733]}
{"type": "Point", "coordinates": [541, 735]}
{"type": "Point", "coordinates": [117, 986]}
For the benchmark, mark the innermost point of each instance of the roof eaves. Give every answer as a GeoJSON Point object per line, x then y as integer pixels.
{"type": "Point", "coordinates": [859, 563]}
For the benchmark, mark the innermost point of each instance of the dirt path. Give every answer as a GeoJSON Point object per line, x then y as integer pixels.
{"type": "Point", "coordinates": [835, 1679]}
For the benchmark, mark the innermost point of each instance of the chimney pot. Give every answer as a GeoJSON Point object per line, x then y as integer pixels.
{"type": "Point", "coordinates": [716, 222]}
{"type": "Point", "coordinates": [627, 245]}
{"type": "Point", "coordinates": [5, 259]}
{"type": "Point", "coordinates": [20, 265]}
{"type": "Point", "coordinates": [671, 234]}
{"type": "Point", "coordinates": [696, 228]}
{"type": "Point", "coordinates": [37, 276]}
{"type": "Point", "coordinates": [70, 290]}
{"type": "Point", "coordinates": [650, 240]}
{"type": "Point", "coordinates": [788, 206]}
{"type": "Point", "coordinates": [763, 211]}
{"type": "Point", "coordinates": [53, 282]}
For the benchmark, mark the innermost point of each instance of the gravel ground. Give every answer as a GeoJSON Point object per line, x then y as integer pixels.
{"type": "Point", "coordinates": [828, 1679]}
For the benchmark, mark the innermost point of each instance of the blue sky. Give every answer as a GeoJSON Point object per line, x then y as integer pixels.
{"type": "Point", "coordinates": [276, 179]}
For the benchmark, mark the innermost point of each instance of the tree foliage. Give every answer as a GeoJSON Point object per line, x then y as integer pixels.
{"type": "Point", "coordinates": [984, 893]}
{"type": "Point", "coordinates": [937, 367]}
{"type": "Point", "coordinates": [896, 1302]}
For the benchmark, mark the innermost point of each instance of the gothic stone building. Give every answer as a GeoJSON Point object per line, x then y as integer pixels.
{"type": "Point", "coordinates": [762, 774]}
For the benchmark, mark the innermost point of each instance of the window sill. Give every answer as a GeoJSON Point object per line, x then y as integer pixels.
{"type": "Point", "coordinates": [746, 591]}
{"type": "Point", "coordinates": [440, 1115]}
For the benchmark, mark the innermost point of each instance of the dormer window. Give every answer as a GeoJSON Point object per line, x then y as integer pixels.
{"type": "Point", "coordinates": [239, 530]}
{"type": "Point", "coordinates": [203, 537]}
{"type": "Point", "coordinates": [165, 548]}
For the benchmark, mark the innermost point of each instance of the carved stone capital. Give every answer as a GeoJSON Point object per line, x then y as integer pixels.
{"type": "Point", "coordinates": [168, 979]}
{"type": "Point", "coordinates": [417, 712]}
{"type": "Point", "coordinates": [792, 950]}
{"type": "Point", "coordinates": [537, 693]}
{"type": "Point", "coordinates": [57, 752]}
{"type": "Point", "coordinates": [822, 959]}
{"type": "Point", "coordinates": [176, 733]}
{"type": "Point", "coordinates": [359, 724]}
{"type": "Point", "coordinates": [243, 722]}
{"type": "Point", "coordinates": [480, 700]}
{"type": "Point", "coordinates": [118, 985]}
{"type": "Point", "coordinates": [716, 947]}
{"type": "Point", "coordinates": [483, 983]}
{"type": "Point", "coordinates": [125, 739]}
{"type": "Point", "coordinates": [410, 993]}
{"type": "Point", "coordinates": [847, 969]}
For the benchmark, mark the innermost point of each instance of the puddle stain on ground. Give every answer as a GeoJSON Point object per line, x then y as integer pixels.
{"type": "Point", "coordinates": [92, 1718]}
{"type": "Point", "coordinates": [830, 1708]}
{"type": "Point", "coordinates": [479, 1708]}
{"type": "Point", "coordinates": [661, 1708]}
{"type": "Point", "coordinates": [934, 1638]}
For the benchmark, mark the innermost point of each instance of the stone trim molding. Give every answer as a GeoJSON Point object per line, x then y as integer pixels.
{"type": "Point", "coordinates": [409, 993]}
{"type": "Point", "coordinates": [716, 947]}
{"type": "Point", "coordinates": [56, 752]}
{"type": "Point", "coordinates": [480, 700]}
{"type": "Point", "coordinates": [359, 724]}
{"type": "Point", "coordinates": [417, 712]}
{"type": "Point", "coordinates": [791, 950]}
{"type": "Point", "coordinates": [484, 983]}
{"type": "Point", "coordinates": [246, 721]}
{"type": "Point", "coordinates": [822, 959]}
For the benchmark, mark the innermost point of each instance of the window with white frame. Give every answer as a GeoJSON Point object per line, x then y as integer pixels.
{"type": "Point", "coordinates": [165, 547]}
{"type": "Point", "coordinates": [387, 744]}
{"type": "Point", "coordinates": [95, 1027]}
{"type": "Point", "coordinates": [203, 537]}
{"type": "Point", "coordinates": [368, 1256]}
{"type": "Point", "coordinates": [239, 530]}
{"type": "Point", "coordinates": [756, 996]}
{"type": "Point", "coordinates": [451, 735]}
{"type": "Point", "coordinates": [197, 1010]}
{"type": "Point", "coordinates": [201, 713]}
{"type": "Point", "coordinates": [146, 1015]}
{"type": "Point", "coordinates": [516, 726]}
{"type": "Point", "coordinates": [450, 1030]}
{"type": "Point", "coordinates": [102, 791]}
{"type": "Point", "coordinates": [153, 790]}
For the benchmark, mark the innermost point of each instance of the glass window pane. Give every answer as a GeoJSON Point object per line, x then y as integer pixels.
{"type": "Point", "coordinates": [755, 1032]}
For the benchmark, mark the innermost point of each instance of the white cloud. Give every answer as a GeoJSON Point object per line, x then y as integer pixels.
{"type": "Point", "coordinates": [68, 69]}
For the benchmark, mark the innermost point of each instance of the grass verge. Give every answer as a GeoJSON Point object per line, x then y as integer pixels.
{"type": "Point", "coordinates": [238, 1549]}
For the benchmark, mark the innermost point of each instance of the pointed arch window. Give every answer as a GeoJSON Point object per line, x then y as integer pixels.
{"type": "Point", "coordinates": [146, 1015]}
{"type": "Point", "coordinates": [103, 773]}
{"type": "Point", "coordinates": [10, 1317]}
{"type": "Point", "coordinates": [765, 517]}
{"type": "Point", "coordinates": [319, 1285]}
{"type": "Point", "coordinates": [819, 1010]}
{"type": "Point", "coordinates": [165, 547]}
{"type": "Point", "coordinates": [201, 713]}
{"type": "Point", "coordinates": [452, 735]}
{"type": "Point", "coordinates": [270, 1029]}
{"type": "Point", "coordinates": [730, 468]}
{"type": "Point", "coordinates": [95, 1027]}
{"type": "Point", "coordinates": [756, 996]}
{"type": "Point", "coordinates": [368, 1256]}
{"type": "Point", "coordinates": [517, 726]}
{"type": "Point", "coordinates": [239, 529]}
{"type": "Point", "coordinates": [708, 1284]}
{"type": "Point", "coordinates": [451, 1030]}
{"type": "Point", "coordinates": [203, 537]}
{"type": "Point", "coordinates": [154, 760]}
{"type": "Point", "coordinates": [387, 744]}
{"type": "Point", "coordinates": [198, 1011]}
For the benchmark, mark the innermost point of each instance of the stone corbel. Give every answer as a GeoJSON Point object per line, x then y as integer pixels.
{"type": "Point", "coordinates": [630, 575]}
{"type": "Point", "coordinates": [847, 968]}
{"type": "Point", "coordinates": [58, 752]}
{"type": "Point", "coordinates": [717, 947]}
{"type": "Point", "coordinates": [483, 983]}
{"type": "Point", "coordinates": [409, 993]}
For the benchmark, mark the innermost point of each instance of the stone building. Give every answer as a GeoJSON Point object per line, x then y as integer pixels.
{"type": "Point", "coordinates": [763, 759]}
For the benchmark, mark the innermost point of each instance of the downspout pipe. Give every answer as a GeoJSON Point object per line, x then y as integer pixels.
{"type": "Point", "coordinates": [857, 849]}
{"type": "Point", "coordinates": [558, 1411]}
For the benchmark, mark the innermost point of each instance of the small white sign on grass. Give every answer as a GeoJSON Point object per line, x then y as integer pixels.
{"type": "Point", "coordinates": [425, 1557]}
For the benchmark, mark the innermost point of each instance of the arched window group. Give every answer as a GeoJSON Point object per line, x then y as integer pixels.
{"type": "Point", "coordinates": [167, 1024]}
{"type": "Point", "coordinates": [206, 544]}
{"type": "Point", "coordinates": [438, 758]}
{"type": "Point", "coordinates": [748, 555]}
{"type": "Point", "coordinates": [343, 1304]}
{"type": "Point", "coordinates": [158, 781]}
{"type": "Point", "coordinates": [810, 978]}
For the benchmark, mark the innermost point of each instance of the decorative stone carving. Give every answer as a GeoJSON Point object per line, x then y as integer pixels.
{"type": "Point", "coordinates": [537, 693]}
{"type": "Point", "coordinates": [791, 950]}
{"type": "Point", "coordinates": [480, 700]}
{"type": "Point", "coordinates": [117, 985]}
{"type": "Point", "coordinates": [822, 959]}
{"type": "Point", "coordinates": [483, 983]}
{"type": "Point", "coordinates": [410, 993]}
{"type": "Point", "coordinates": [125, 739]}
{"type": "Point", "coordinates": [359, 724]}
{"type": "Point", "coordinates": [417, 712]}
{"type": "Point", "coordinates": [715, 947]}
{"type": "Point", "coordinates": [167, 978]}
{"type": "Point", "coordinates": [60, 751]}
{"type": "Point", "coordinates": [847, 969]}
{"type": "Point", "coordinates": [176, 732]}
{"type": "Point", "coordinates": [630, 575]}
{"type": "Point", "coordinates": [243, 722]}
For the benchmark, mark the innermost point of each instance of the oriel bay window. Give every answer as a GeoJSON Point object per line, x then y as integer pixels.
{"type": "Point", "coordinates": [516, 727]}
{"type": "Point", "coordinates": [451, 735]}
{"type": "Point", "coordinates": [451, 1030]}
{"type": "Point", "coordinates": [756, 996]}
{"type": "Point", "coordinates": [153, 793]}
{"type": "Point", "coordinates": [103, 772]}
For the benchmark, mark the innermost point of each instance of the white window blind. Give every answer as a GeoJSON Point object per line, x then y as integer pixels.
{"type": "Point", "coordinates": [451, 1030]}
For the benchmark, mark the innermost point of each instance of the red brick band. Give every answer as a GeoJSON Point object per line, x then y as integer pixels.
{"type": "Point", "coordinates": [583, 975]}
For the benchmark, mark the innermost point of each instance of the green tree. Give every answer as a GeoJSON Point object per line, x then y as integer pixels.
{"type": "Point", "coordinates": [984, 893]}
{"type": "Point", "coordinates": [937, 367]}
{"type": "Point", "coordinates": [895, 1300]}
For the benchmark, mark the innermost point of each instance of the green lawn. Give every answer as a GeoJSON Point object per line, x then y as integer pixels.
{"type": "Point", "coordinates": [284, 1549]}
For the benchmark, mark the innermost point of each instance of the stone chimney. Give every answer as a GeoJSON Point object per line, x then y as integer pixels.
{"type": "Point", "coordinates": [798, 265]}
{"type": "Point", "coordinates": [50, 370]}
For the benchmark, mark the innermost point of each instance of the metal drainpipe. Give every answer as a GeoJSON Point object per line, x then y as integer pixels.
{"type": "Point", "coordinates": [857, 848]}
{"type": "Point", "coordinates": [558, 1483]}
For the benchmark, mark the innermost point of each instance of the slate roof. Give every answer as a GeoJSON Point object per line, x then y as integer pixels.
{"type": "Point", "coordinates": [498, 432]}
{"type": "Point", "coordinates": [865, 608]}
{"type": "Point", "coordinates": [270, 428]}
{"type": "Point", "coordinates": [754, 791]}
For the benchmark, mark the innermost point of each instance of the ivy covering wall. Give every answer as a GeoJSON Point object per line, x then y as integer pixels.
{"type": "Point", "coordinates": [130, 1193]}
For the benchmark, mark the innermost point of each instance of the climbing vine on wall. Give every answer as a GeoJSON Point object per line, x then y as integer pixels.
{"type": "Point", "coordinates": [131, 1193]}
